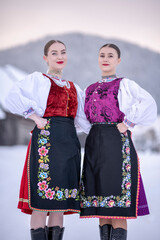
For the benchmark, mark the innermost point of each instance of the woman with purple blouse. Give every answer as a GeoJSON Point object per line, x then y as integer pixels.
{"type": "Point", "coordinates": [111, 186]}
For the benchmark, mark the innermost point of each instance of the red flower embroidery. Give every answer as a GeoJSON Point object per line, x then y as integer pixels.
{"type": "Point", "coordinates": [128, 185]}
{"type": "Point", "coordinates": [128, 203]}
{"type": "Point", "coordinates": [43, 151]}
{"type": "Point", "coordinates": [128, 167]}
{"type": "Point", "coordinates": [127, 150]}
{"type": "Point", "coordinates": [49, 194]}
{"type": "Point", "coordinates": [42, 186]}
{"type": "Point", "coordinates": [111, 203]}
{"type": "Point", "coordinates": [95, 203]}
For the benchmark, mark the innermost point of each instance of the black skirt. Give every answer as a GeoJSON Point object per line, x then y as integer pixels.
{"type": "Point", "coordinates": [110, 176]}
{"type": "Point", "coordinates": [54, 167]}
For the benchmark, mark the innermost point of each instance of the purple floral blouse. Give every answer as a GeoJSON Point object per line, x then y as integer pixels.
{"type": "Point", "coordinates": [101, 103]}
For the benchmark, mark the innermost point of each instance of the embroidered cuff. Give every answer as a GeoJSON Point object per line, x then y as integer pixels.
{"type": "Point", "coordinates": [128, 123]}
{"type": "Point", "coordinates": [27, 113]}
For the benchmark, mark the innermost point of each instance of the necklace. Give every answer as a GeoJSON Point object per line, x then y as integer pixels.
{"type": "Point", "coordinates": [55, 73]}
{"type": "Point", "coordinates": [108, 78]}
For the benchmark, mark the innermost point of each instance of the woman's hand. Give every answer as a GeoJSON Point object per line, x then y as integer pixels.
{"type": "Point", "coordinates": [122, 128]}
{"type": "Point", "coordinates": [39, 121]}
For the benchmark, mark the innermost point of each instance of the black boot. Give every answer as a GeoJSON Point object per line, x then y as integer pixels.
{"type": "Point", "coordinates": [105, 231]}
{"type": "Point", "coordinates": [39, 234]}
{"type": "Point", "coordinates": [55, 233]}
{"type": "Point", "coordinates": [118, 234]}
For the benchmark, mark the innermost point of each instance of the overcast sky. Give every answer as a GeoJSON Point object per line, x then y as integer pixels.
{"type": "Point", "coordinates": [136, 21]}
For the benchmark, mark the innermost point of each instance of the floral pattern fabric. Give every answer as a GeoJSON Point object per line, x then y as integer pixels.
{"type": "Point", "coordinates": [101, 103]}
{"type": "Point", "coordinates": [44, 190]}
{"type": "Point", "coordinates": [124, 200]}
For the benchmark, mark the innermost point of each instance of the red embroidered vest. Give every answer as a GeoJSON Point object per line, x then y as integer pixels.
{"type": "Point", "coordinates": [62, 101]}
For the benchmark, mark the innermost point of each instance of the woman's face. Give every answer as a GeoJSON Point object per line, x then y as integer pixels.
{"type": "Point", "coordinates": [108, 60]}
{"type": "Point", "coordinates": [57, 57]}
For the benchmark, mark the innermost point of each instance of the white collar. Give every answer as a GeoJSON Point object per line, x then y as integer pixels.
{"type": "Point", "coordinates": [59, 81]}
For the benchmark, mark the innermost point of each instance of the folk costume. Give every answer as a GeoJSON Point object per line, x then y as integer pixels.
{"type": "Point", "coordinates": [51, 174]}
{"type": "Point", "coordinates": [111, 185]}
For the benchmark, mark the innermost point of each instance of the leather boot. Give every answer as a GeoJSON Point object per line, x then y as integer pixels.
{"type": "Point", "coordinates": [118, 234]}
{"type": "Point", "coordinates": [55, 233]}
{"type": "Point", "coordinates": [105, 231]}
{"type": "Point", "coordinates": [39, 234]}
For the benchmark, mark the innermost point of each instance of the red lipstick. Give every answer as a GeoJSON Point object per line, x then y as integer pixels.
{"type": "Point", "coordinates": [60, 62]}
{"type": "Point", "coordinates": [105, 64]}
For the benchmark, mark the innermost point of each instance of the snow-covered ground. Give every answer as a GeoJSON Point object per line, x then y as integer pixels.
{"type": "Point", "coordinates": [15, 225]}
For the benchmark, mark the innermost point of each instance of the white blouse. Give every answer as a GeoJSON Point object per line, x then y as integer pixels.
{"type": "Point", "coordinates": [136, 103]}
{"type": "Point", "coordinates": [32, 92]}
{"type": "Point", "coordinates": [30, 96]}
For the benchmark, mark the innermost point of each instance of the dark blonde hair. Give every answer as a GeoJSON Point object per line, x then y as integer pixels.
{"type": "Point", "coordinates": [111, 45]}
{"type": "Point", "coordinates": [48, 44]}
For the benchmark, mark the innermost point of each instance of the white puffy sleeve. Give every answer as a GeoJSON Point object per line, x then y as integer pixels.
{"type": "Point", "coordinates": [81, 122]}
{"type": "Point", "coordinates": [28, 96]}
{"type": "Point", "coordinates": [137, 104]}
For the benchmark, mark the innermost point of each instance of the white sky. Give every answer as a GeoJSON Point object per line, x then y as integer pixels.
{"type": "Point", "coordinates": [136, 21]}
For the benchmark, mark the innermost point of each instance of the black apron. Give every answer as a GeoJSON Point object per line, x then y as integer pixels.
{"type": "Point", "coordinates": [109, 185]}
{"type": "Point", "coordinates": [54, 167]}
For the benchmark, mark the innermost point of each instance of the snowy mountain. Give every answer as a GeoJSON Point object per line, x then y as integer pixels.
{"type": "Point", "coordinates": [139, 64]}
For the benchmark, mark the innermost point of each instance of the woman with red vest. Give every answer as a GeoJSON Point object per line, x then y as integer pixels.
{"type": "Point", "coordinates": [50, 181]}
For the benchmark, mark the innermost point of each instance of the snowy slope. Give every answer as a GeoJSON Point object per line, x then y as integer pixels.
{"type": "Point", "coordinates": [8, 75]}
{"type": "Point", "coordinates": [147, 137]}
{"type": "Point", "coordinates": [14, 225]}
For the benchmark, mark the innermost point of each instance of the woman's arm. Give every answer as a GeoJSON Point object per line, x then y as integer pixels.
{"type": "Point", "coordinates": [136, 103]}
{"type": "Point", "coordinates": [28, 96]}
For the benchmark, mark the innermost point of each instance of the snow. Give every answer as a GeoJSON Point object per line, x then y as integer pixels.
{"type": "Point", "coordinates": [14, 73]}
{"type": "Point", "coordinates": [9, 75]}
{"type": "Point", "coordinates": [140, 130]}
{"type": "Point", "coordinates": [15, 225]}
{"type": "Point", "coordinates": [2, 114]}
